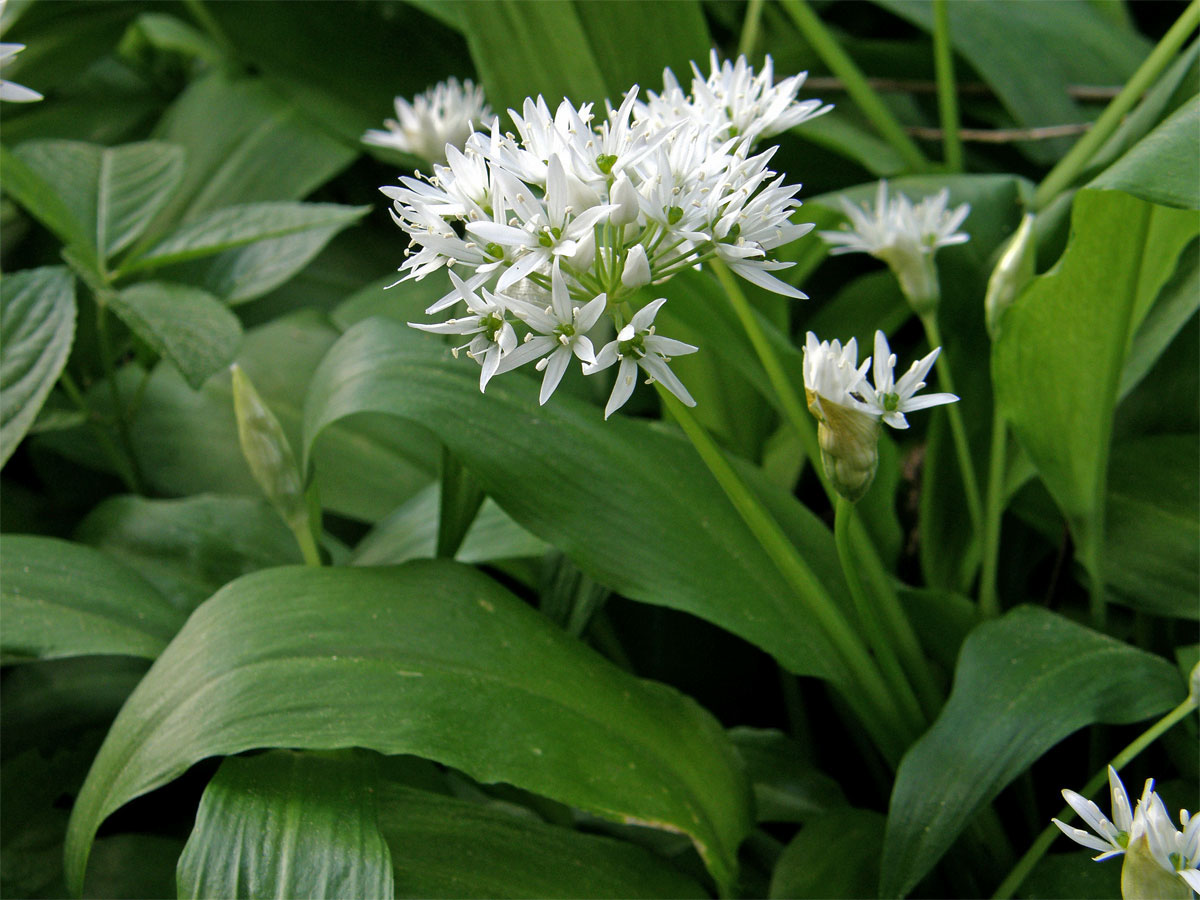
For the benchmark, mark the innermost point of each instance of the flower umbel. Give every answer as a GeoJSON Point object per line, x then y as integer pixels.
{"type": "Point", "coordinates": [905, 236]}
{"type": "Point", "coordinates": [447, 113]}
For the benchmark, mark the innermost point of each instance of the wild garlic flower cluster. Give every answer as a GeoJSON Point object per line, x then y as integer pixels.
{"type": "Point", "coordinates": [849, 408]}
{"type": "Point", "coordinates": [905, 235]}
{"type": "Point", "coordinates": [552, 229]}
{"type": "Point", "coordinates": [1160, 859]}
{"type": "Point", "coordinates": [446, 114]}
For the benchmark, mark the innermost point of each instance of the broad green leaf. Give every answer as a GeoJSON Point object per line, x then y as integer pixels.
{"type": "Point", "coordinates": [525, 49]}
{"type": "Point", "coordinates": [1024, 682]}
{"type": "Point", "coordinates": [1152, 539]}
{"type": "Point", "coordinates": [442, 847]}
{"type": "Point", "coordinates": [1163, 167]}
{"type": "Point", "coordinates": [834, 855]}
{"type": "Point", "coordinates": [189, 548]}
{"type": "Point", "coordinates": [187, 441]}
{"type": "Point", "coordinates": [1083, 312]}
{"type": "Point", "coordinates": [787, 786]}
{"type": "Point", "coordinates": [42, 201]}
{"type": "Point", "coordinates": [411, 533]}
{"type": "Point", "coordinates": [630, 503]}
{"type": "Point", "coordinates": [999, 38]}
{"type": "Point", "coordinates": [186, 325]}
{"type": "Point", "coordinates": [432, 659]}
{"type": "Point", "coordinates": [1176, 304]}
{"type": "Point", "coordinates": [237, 226]}
{"type": "Point", "coordinates": [64, 599]}
{"type": "Point", "coordinates": [37, 328]}
{"type": "Point", "coordinates": [112, 193]}
{"type": "Point", "coordinates": [260, 148]}
{"type": "Point", "coordinates": [286, 824]}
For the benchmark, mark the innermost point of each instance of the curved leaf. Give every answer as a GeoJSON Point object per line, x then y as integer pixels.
{"type": "Point", "coordinates": [64, 599]}
{"type": "Point", "coordinates": [189, 548]}
{"type": "Point", "coordinates": [433, 659]}
{"type": "Point", "coordinates": [112, 193]}
{"type": "Point", "coordinates": [443, 847]}
{"type": "Point", "coordinates": [188, 326]}
{"type": "Point", "coordinates": [286, 824]}
{"type": "Point", "coordinates": [1024, 682]}
{"type": "Point", "coordinates": [37, 327]}
{"type": "Point", "coordinates": [630, 503]}
{"type": "Point", "coordinates": [237, 226]}
{"type": "Point", "coordinates": [1163, 167]}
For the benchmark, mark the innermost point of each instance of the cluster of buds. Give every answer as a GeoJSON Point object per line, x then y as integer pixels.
{"type": "Point", "coordinates": [1160, 860]}
{"type": "Point", "coordinates": [552, 230]}
{"type": "Point", "coordinates": [849, 408]}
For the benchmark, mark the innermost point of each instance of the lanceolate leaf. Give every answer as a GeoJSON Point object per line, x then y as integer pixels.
{"type": "Point", "coordinates": [37, 326]}
{"type": "Point", "coordinates": [188, 326]}
{"type": "Point", "coordinates": [64, 599]}
{"type": "Point", "coordinates": [433, 659]}
{"type": "Point", "coordinates": [443, 847]}
{"type": "Point", "coordinates": [237, 226]}
{"type": "Point", "coordinates": [1057, 362]}
{"type": "Point", "coordinates": [287, 824]}
{"type": "Point", "coordinates": [630, 503]}
{"type": "Point", "coordinates": [1163, 167]}
{"type": "Point", "coordinates": [112, 193]}
{"type": "Point", "coordinates": [1024, 682]}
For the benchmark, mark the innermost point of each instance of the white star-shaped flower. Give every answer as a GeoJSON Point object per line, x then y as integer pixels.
{"type": "Point", "coordinates": [494, 336]}
{"type": "Point", "coordinates": [891, 399]}
{"type": "Point", "coordinates": [1110, 838]}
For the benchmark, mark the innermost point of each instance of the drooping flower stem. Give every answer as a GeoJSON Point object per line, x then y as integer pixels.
{"type": "Point", "coordinates": [1077, 158]}
{"type": "Point", "coordinates": [943, 58]}
{"type": "Point", "coordinates": [989, 602]}
{"type": "Point", "coordinates": [840, 63]}
{"type": "Point", "coordinates": [867, 691]}
{"type": "Point", "coordinates": [1042, 843]}
{"type": "Point", "coordinates": [957, 431]}
{"type": "Point", "coordinates": [877, 576]}
{"type": "Point", "coordinates": [869, 617]}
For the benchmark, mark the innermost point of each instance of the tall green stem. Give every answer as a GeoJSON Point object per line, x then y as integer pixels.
{"type": "Point", "coordinates": [870, 695]}
{"type": "Point", "coordinates": [841, 65]}
{"type": "Point", "coordinates": [943, 60]}
{"type": "Point", "coordinates": [868, 615]}
{"type": "Point", "coordinates": [796, 413]}
{"type": "Point", "coordinates": [750, 25]}
{"type": "Point", "coordinates": [989, 600]}
{"type": "Point", "coordinates": [119, 410]}
{"type": "Point", "coordinates": [1039, 847]}
{"type": "Point", "coordinates": [1076, 160]}
{"type": "Point", "coordinates": [959, 433]}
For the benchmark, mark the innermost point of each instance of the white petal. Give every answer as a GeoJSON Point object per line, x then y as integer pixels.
{"type": "Point", "coordinates": [923, 401]}
{"type": "Point", "coordinates": [1192, 877]}
{"type": "Point", "coordinates": [658, 369]}
{"type": "Point", "coordinates": [623, 388]}
{"type": "Point", "coordinates": [1122, 812]}
{"type": "Point", "coordinates": [605, 358]}
{"type": "Point", "coordinates": [1089, 812]}
{"type": "Point", "coordinates": [643, 318]}
{"type": "Point", "coordinates": [1079, 836]}
{"type": "Point", "coordinates": [556, 367]}
{"type": "Point", "coordinates": [590, 314]}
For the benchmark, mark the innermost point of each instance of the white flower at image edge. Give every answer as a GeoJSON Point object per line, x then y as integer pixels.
{"type": "Point", "coordinates": [1113, 837]}
{"type": "Point", "coordinates": [637, 345]}
{"type": "Point", "coordinates": [891, 399]}
{"type": "Point", "coordinates": [493, 334]}
{"type": "Point", "coordinates": [17, 93]}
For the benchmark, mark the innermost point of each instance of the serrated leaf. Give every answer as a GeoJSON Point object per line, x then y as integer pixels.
{"type": "Point", "coordinates": [64, 599]}
{"type": "Point", "coordinates": [237, 226]}
{"type": "Point", "coordinates": [287, 824]}
{"type": "Point", "coordinates": [37, 328]}
{"type": "Point", "coordinates": [631, 504]}
{"type": "Point", "coordinates": [186, 325]}
{"type": "Point", "coordinates": [443, 847]}
{"type": "Point", "coordinates": [111, 193]}
{"type": "Point", "coordinates": [1024, 682]}
{"type": "Point", "coordinates": [334, 658]}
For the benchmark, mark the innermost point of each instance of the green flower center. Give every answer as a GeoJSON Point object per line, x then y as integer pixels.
{"type": "Point", "coordinates": [492, 325]}
{"type": "Point", "coordinates": [674, 214]}
{"type": "Point", "coordinates": [891, 402]}
{"type": "Point", "coordinates": [605, 162]}
{"type": "Point", "coordinates": [635, 346]}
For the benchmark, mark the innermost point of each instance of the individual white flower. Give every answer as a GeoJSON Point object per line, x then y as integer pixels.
{"type": "Point", "coordinates": [9, 90]}
{"type": "Point", "coordinates": [891, 399]}
{"type": "Point", "coordinates": [561, 328]}
{"type": "Point", "coordinates": [905, 236]}
{"type": "Point", "coordinates": [637, 345]}
{"type": "Point", "coordinates": [446, 114]}
{"type": "Point", "coordinates": [752, 104]}
{"type": "Point", "coordinates": [847, 427]}
{"type": "Point", "coordinates": [1111, 838]}
{"type": "Point", "coordinates": [494, 336]}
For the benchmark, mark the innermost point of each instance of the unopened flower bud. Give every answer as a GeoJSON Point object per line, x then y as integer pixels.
{"type": "Point", "coordinates": [267, 451]}
{"type": "Point", "coordinates": [624, 196]}
{"type": "Point", "coordinates": [849, 442]}
{"type": "Point", "coordinates": [585, 252]}
{"type": "Point", "coordinates": [1012, 273]}
{"type": "Point", "coordinates": [637, 268]}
